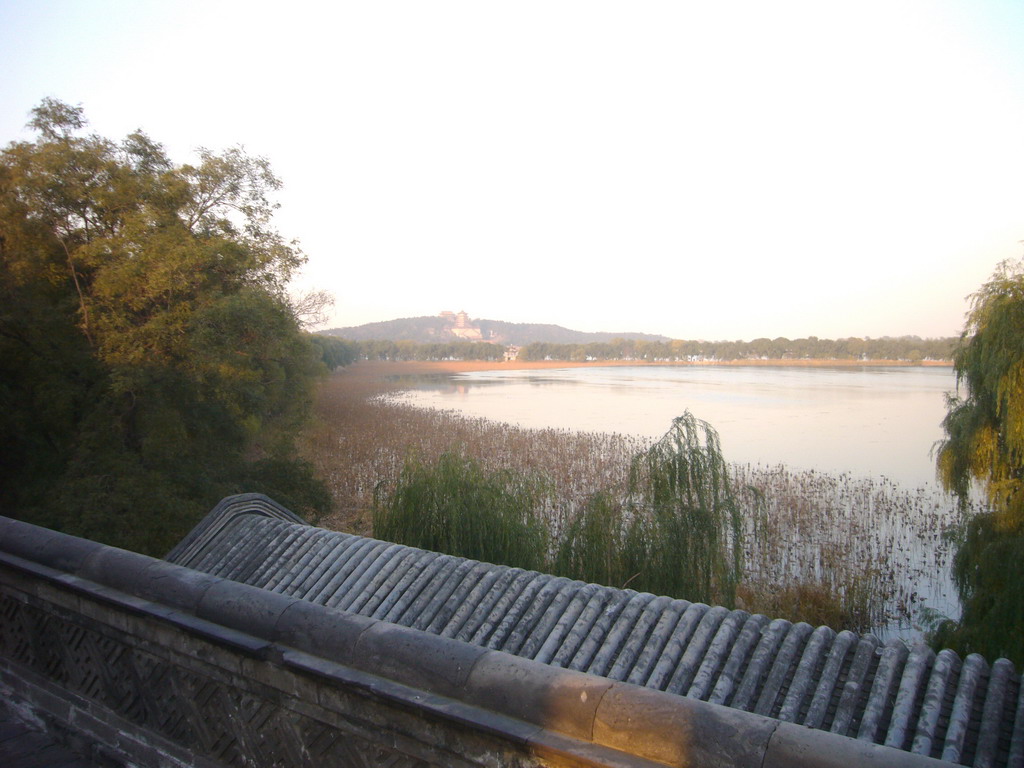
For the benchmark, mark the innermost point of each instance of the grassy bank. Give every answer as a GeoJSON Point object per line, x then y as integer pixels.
{"type": "Point", "coordinates": [826, 549]}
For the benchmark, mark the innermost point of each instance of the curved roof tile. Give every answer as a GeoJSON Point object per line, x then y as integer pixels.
{"type": "Point", "coordinates": [906, 697]}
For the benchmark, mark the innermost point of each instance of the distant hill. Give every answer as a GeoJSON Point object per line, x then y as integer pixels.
{"type": "Point", "coordinates": [430, 329]}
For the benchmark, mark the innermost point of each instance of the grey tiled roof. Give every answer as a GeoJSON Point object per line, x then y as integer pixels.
{"type": "Point", "coordinates": [965, 711]}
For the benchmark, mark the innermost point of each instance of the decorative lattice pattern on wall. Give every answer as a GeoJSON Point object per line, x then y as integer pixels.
{"type": "Point", "coordinates": [206, 711]}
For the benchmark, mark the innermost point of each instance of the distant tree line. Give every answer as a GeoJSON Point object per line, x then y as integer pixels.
{"type": "Point", "coordinates": [906, 348]}
{"type": "Point", "coordinates": [334, 352]}
{"type": "Point", "coordinates": [909, 348]}
{"type": "Point", "coordinates": [411, 350]}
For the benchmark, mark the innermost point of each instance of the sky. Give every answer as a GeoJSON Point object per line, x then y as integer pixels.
{"type": "Point", "coordinates": [726, 170]}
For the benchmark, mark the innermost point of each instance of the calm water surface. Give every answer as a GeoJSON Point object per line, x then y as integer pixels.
{"type": "Point", "coordinates": [872, 422]}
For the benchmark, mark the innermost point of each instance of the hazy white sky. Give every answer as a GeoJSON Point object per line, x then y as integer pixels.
{"type": "Point", "coordinates": [709, 170]}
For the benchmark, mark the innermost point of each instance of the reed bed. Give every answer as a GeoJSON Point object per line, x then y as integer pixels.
{"type": "Point", "coordinates": [883, 552]}
{"type": "Point", "coordinates": [856, 553]}
{"type": "Point", "coordinates": [361, 439]}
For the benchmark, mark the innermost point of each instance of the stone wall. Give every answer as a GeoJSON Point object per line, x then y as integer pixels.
{"type": "Point", "coordinates": [158, 664]}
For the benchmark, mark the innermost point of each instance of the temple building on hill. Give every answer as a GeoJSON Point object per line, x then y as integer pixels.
{"type": "Point", "coordinates": [461, 327]}
{"type": "Point", "coordinates": [460, 320]}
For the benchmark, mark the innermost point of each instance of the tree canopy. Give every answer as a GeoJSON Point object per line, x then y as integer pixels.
{"type": "Point", "coordinates": [151, 360]}
{"type": "Point", "coordinates": [984, 446]}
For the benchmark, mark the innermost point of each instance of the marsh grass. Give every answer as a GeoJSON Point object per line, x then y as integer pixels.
{"type": "Point", "coordinates": [451, 504]}
{"type": "Point", "coordinates": [880, 550]}
{"type": "Point", "coordinates": [360, 440]}
{"type": "Point", "coordinates": [853, 553]}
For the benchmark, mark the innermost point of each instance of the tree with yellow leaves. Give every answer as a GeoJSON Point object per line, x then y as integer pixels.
{"type": "Point", "coordinates": [984, 450]}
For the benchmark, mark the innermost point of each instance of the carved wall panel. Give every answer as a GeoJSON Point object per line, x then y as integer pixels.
{"type": "Point", "coordinates": [204, 711]}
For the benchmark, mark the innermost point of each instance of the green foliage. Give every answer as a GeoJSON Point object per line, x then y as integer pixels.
{"type": "Point", "coordinates": [678, 533]}
{"type": "Point", "coordinates": [290, 482]}
{"type": "Point", "coordinates": [987, 572]}
{"type": "Point", "coordinates": [985, 429]}
{"type": "Point", "coordinates": [690, 534]}
{"type": "Point", "coordinates": [593, 545]}
{"type": "Point", "coordinates": [334, 352]}
{"type": "Point", "coordinates": [150, 360]}
{"type": "Point", "coordinates": [984, 444]}
{"type": "Point", "coordinates": [455, 506]}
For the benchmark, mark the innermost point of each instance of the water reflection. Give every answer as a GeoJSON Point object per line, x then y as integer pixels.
{"type": "Point", "coordinates": [873, 422]}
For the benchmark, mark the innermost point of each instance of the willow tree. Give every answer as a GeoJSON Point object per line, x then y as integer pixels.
{"type": "Point", "coordinates": [150, 361]}
{"type": "Point", "coordinates": [984, 449]}
{"type": "Point", "coordinates": [685, 537]}
{"type": "Point", "coordinates": [454, 505]}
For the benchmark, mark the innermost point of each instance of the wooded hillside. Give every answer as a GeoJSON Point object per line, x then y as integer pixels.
{"type": "Point", "coordinates": [433, 329]}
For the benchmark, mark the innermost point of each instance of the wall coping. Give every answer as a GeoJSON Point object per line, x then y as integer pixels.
{"type": "Point", "coordinates": [517, 697]}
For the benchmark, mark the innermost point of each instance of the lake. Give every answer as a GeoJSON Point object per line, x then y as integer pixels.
{"type": "Point", "coordinates": [877, 423]}
{"type": "Point", "coordinates": [866, 421]}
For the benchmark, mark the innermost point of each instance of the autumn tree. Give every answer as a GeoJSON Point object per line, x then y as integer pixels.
{"type": "Point", "coordinates": [984, 448]}
{"type": "Point", "coordinates": [150, 359]}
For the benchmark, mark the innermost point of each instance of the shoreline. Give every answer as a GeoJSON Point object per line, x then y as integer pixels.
{"type": "Point", "coordinates": [384, 368]}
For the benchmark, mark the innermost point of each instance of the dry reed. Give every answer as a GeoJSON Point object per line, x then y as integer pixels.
{"type": "Point", "coordinates": [828, 549]}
